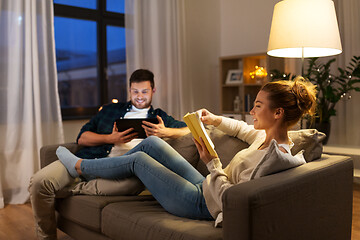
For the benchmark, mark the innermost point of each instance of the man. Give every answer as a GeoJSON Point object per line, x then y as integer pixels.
{"type": "Point", "coordinates": [99, 138]}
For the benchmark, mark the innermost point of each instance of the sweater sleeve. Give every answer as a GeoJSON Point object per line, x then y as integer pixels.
{"type": "Point", "coordinates": [240, 129]}
{"type": "Point", "coordinates": [217, 181]}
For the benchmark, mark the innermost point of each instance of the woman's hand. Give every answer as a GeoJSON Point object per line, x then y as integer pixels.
{"type": "Point", "coordinates": [203, 152]}
{"type": "Point", "coordinates": [209, 118]}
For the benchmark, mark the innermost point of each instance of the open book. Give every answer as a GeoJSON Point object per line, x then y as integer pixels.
{"type": "Point", "coordinates": [197, 129]}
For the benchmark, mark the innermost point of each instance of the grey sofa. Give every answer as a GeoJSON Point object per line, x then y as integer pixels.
{"type": "Point", "coordinates": [312, 201]}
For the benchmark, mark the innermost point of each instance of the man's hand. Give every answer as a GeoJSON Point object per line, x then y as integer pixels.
{"type": "Point", "coordinates": [159, 130]}
{"type": "Point", "coordinates": [209, 118]}
{"type": "Point", "coordinates": [203, 152]}
{"type": "Point", "coordinates": [120, 137]}
{"type": "Point", "coordinates": [91, 139]}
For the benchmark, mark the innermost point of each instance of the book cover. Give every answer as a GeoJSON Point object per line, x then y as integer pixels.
{"type": "Point", "coordinates": [197, 129]}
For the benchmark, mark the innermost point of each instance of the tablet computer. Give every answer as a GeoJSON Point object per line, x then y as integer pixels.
{"type": "Point", "coordinates": [136, 123]}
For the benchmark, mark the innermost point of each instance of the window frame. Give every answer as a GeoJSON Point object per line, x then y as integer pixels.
{"type": "Point", "coordinates": [103, 19]}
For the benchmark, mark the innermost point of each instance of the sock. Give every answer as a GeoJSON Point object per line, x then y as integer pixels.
{"type": "Point", "coordinates": [68, 160]}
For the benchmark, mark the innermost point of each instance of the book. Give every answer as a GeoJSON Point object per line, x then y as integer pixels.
{"type": "Point", "coordinates": [197, 129]}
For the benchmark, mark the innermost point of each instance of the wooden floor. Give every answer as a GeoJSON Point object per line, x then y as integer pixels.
{"type": "Point", "coordinates": [16, 221]}
{"type": "Point", "coordinates": [356, 213]}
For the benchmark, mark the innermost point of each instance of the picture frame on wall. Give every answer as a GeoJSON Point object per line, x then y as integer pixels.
{"type": "Point", "coordinates": [234, 76]}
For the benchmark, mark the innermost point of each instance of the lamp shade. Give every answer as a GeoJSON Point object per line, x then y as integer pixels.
{"type": "Point", "coordinates": [304, 28]}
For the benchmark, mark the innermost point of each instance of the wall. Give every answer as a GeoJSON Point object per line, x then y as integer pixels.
{"type": "Point", "coordinates": [72, 129]}
{"type": "Point", "coordinates": [245, 26]}
{"type": "Point", "coordinates": [202, 43]}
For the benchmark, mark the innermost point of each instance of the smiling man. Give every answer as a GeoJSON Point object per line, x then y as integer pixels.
{"type": "Point", "coordinates": [99, 138]}
{"type": "Point", "coordinates": [101, 134]}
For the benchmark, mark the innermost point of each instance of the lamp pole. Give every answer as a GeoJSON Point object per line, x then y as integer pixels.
{"type": "Point", "coordinates": [302, 61]}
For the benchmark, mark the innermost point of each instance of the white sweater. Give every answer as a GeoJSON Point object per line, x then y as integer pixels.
{"type": "Point", "coordinates": [239, 169]}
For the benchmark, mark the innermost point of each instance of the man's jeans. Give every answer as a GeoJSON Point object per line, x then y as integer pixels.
{"type": "Point", "coordinates": [174, 183]}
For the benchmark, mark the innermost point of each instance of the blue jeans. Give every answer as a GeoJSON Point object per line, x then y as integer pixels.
{"type": "Point", "coordinates": [172, 180]}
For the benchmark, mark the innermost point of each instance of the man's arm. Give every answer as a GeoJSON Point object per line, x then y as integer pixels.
{"type": "Point", "coordinates": [161, 131]}
{"type": "Point", "coordinates": [90, 139]}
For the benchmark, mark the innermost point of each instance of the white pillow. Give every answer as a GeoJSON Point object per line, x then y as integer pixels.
{"type": "Point", "coordinates": [275, 161]}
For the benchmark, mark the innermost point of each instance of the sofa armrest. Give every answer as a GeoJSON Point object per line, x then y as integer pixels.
{"type": "Point", "coordinates": [312, 201]}
{"type": "Point", "coordinates": [48, 153]}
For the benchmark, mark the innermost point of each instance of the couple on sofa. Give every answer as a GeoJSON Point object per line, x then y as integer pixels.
{"type": "Point", "coordinates": [176, 185]}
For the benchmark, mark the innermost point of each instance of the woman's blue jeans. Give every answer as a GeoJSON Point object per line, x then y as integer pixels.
{"type": "Point", "coordinates": [174, 183]}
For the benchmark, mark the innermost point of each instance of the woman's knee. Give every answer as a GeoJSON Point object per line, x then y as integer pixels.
{"type": "Point", "coordinates": [140, 156]}
{"type": "Point", "coordinates": [153, 141]}
{"type": "Point", "coordinates": [142, 159]}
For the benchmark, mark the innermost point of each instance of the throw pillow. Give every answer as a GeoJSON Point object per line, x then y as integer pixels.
{"type": "Point", "coordinates": [275, 161]}
{"type": "Point", "coordinates": [309, 140]}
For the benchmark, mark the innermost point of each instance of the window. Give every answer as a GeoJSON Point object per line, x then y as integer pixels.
{"type": "Point", "coordinates": [114, 6]}
{"type": "Point", "coordinates": [91, 4]}
{"type": "Point", "coordinates": [90, 54]}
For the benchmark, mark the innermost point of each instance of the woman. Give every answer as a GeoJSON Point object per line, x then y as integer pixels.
{"type": "Point", "coordinates": [179, 187]}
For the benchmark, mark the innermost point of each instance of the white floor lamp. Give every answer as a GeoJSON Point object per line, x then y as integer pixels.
{"type": "Point", "coordinates": [304, 28]}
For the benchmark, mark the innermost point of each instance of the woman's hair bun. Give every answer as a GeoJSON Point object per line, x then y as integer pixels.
{"type": "Point", "coordinates": [297, 97]}
{"type": "Point", "coordinates": [305, 93]}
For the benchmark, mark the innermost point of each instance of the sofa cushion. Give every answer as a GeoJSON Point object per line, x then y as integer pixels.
{"type": "Point", "coordinates": [148, 220]}
{"type": "Point", "coordinates": [226, 147]}
{"type": "Point", "coordinates": [185, 146]}
{"type": "Point", "coordinates": [86, 210]}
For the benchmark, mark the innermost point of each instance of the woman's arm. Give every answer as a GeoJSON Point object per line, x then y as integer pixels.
{"type": "Point", "coordinates": [218, 181]}
{"type": "Point", "coordinates": [209, 118]}
{"type": "Point", "coordinates": [240, 129]}
{"type": "Point", "coordinates": [232, 127]}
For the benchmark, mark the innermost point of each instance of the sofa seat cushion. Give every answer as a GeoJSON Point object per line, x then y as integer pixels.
{"type": "Point", "coordinates": [86, 210]}
{"type": "Point", "coordinates": [148, 220]}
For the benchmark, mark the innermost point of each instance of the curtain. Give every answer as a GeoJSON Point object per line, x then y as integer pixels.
{"type": "Point", "coordinates": [155, 40]}
{"type": "Point", "coordinates": [345, 125]}
{"type": "Point", "coordinates": [29, 104]}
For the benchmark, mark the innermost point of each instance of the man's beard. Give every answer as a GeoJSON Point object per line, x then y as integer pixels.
{"type": "Point", "coordinates": [141, 105]}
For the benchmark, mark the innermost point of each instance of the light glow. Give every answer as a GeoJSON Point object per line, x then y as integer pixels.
{"type": "Point", "coordinates": [304, 28]}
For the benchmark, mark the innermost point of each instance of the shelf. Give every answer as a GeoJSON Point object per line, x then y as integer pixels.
{"type": "Point", "coordinates": [231, 85]}
{"type": "Point", "coordinates": [248, 89]}
{"type": "Point", "coordinates": [253, 84]}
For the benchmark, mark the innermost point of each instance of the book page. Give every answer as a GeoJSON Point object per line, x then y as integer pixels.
{"type": "Point", "coordinates": [204, 130]}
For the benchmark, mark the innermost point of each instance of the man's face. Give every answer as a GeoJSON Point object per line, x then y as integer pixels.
{"type": "Point", "coordinates": [141, 94]}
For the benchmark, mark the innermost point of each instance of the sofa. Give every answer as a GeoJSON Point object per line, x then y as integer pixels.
{"type": "Point", "coordinates": [311, 201]}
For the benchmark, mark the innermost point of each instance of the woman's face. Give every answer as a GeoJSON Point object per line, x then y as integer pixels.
{"type": "Point", "coordinates": [263, 115]}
